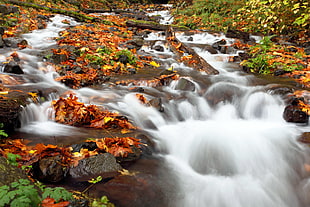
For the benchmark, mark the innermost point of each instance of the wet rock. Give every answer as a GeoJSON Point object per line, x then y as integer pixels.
{"type": "Point", "coordinates": [222, 93]}
{"type": "Point", "coordinates": [238, 34]}
{"type": "Point", "coordinates": [280, 72]}
{"type": "Point", "coordinates": [280, 90]}
{"type": "Point", "coordinates": [15, 42]}
{"type": "Point", "coordinates": [190, 39]}
{"type": "Point", "coordinates": [135, 155]}
{"type": "Point", "coordinates": [210, 49]}
{"type": "Point", "coordinates": [136, 42]}
{"type": "Point", "coordinates": [13, 67]}
{"type": "Point", "coordinates": [295, 114]}
{"type": "Point", "coordinates": [123, 59]}
{"type": "Point", "coordinates": [225, 49]}
{"type": "Point", "coordinates": [94, 165]}
{"type": "Point", "coordinates": [91, 146]}
{"type": "Point", "coordinates": [157, 103]}
{"type": "Point", "coordinates": [50, 169]}
{"type": "Point", "coordinates": [159, 48]}
{"type": "Point", "coordinates": [218, 45]}
{"type": "Point", "coordinates": [185, 85]}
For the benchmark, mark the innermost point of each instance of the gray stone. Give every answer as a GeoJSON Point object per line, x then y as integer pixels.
{"type": "Point", "coordinates": [185, 85]}
{"type": "Point", "coordinates": [13, 67]}
{"type": "Point", "coordinates": [94, 165]}
{"type": "Point", "coordinates": [14, 42]}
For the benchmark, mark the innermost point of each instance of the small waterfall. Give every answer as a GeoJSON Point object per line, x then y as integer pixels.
{"type": "Point", "coordinates": [228, 146]}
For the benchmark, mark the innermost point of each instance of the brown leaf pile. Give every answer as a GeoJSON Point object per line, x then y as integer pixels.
{"type": "Point", "coordinates": [72, 112]}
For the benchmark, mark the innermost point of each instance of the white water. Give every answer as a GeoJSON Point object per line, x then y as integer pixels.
{"type": "Point", "coordinates": [235, 153]}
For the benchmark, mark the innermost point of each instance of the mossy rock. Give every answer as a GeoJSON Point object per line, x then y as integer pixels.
{"type": "Point", "coordinates": [10, 173]}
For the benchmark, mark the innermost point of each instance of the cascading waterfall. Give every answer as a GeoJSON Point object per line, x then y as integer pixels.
{"type": "Point", "coordinates": [226, 142]}
{"type": "Point", "coordinates": [238, 152]}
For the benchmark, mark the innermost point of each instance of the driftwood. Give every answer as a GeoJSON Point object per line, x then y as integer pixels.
{"type": "Point", "coordinates": [187, 55]}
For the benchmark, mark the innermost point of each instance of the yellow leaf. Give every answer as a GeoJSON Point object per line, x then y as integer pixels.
{"type": "Point", "coordinates": [155, 64]}
{"type": "Point", "coordinates": [126, 172]}
{"type": "Point", "coordinates": [3, 92]}
{"type": "Point", "coordinates": [125, 131]}
{"type": "Point", "coordinates": [107, 119]}
{"type": "Point", "coordinates": [34, 95]}
{"type": "Point", "coordinates": [32, 151]}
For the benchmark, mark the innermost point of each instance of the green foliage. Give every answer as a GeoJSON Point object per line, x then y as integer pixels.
{"type": "Point", "coordinates": [12, 158]}
{"type": "Point", "coordinates": [2, 132]}
{"type": "Point", "coordinates": [95, 180]}
{"type": "Point", "coordinates": [25, 194]}
{"type": "Point", "coordinates": [131, 58]}
{"type": "Point", "coordinates": [208, 14]}
{"type": "Point", "coordinates": [275, 16]}
{"type": "Point", "coordinates": [263, 56]}
{"type": "Point", "coordinates": [102, 202]}
{"type": "Point", "coordinates": [19, 194]}
{"type": "Point", "coordinates": [57, 193]}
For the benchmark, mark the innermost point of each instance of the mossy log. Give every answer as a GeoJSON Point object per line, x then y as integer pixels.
{"type": "Point", "coordinates": [75, 14]}
{"type": "Point", "coordinates": [192, 59]}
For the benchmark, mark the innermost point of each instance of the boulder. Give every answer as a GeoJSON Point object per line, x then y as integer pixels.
{"type": "Point", "coordinates": [295, 114]}
{"type": "Point", "coordinates": [50, 169]}
{"type": "Point", "coordinates": [95, 165]}
{"type": "Point", "coordinates": [159, 48]}
{"type": "Point", "coordinates": [13, 67]}
{"type": "Point", "coordinates": [157, 103]}
{"type": "Point", "coordinates": [15, 42]}
{"type": "Point", "coordinates": [238, 34]}
{"type": "Point", "coordinates": [185, 85]}
{"type": "Point", "coordinates": [210, 49]}
{"type": "Point", "coordinates": [218, 45]}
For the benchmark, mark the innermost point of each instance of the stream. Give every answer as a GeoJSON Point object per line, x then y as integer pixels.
{"type": "Point", "coordinates": [223, 138]}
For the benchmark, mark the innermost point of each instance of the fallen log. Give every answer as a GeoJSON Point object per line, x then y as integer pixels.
{"type": "Point", "coordinates": [187, 55]}
{"type": "Point", "coordinates": [75, 14]}
{"type": "Point", "coordinates": [147, 25]}
{"type": "Point", "coordinates": [152, 25]}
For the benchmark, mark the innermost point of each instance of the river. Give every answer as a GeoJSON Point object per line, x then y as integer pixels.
{"type": "Point", "coordinates": [224, 139]}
